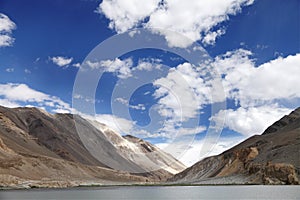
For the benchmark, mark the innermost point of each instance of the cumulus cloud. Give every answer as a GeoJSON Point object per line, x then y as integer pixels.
{"type": "Point", "coordinates": [250, 85]}
{"type": "Point", "coordinates": [16, 95]}
{"type": "Point", "coordinates": [258, 91]}
{"type": "Point", "coordinates": [6, 28]}
{"type": "Point", "coordinates": [61, 61]}
{"type": "Point", "coordinates": [181, 93]}
{"type": "Point", "coordinates": [252, 120]}
{"type": "Point", "coordinates": [124, 15]}
{"type": "Point", "coordinates": [282, 74]}
{"type": "Point", "coordinates": [195, 20]}
{"type": "Point", "coordinates": [184, 91]}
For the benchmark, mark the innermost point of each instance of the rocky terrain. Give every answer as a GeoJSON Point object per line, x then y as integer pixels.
{"type": "Point", "coordinates": [270, 158]}
{"type": "Point", "coordinates": [38, 149]}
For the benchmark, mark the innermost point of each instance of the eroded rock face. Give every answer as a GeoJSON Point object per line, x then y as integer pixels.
{"type": "Point", "coordinates": [274, 173]}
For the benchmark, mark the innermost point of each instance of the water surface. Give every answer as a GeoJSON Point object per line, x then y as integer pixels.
{"type": "Point", "coordinates": [159, 193]}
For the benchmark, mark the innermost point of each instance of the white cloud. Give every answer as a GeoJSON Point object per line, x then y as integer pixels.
{"type": "Point", "coordinates": [258, 91]}
{"type": "Point", "coordinates": [277, 79]}
{"type": "Point", "coordinates": [210, 37]}
{"type": "Point", "coordinates": [61, 61]}
{"type": "Point", "coordinates": [8, 103]}
{"type": "Point", "coordinates": [15, 95]}
{"type": "Point", "coordinates": [192, 19]}
{"type": "Point", "coordinates": [21, 92]}
{"type": "Point", "coordinates": [6, 28]}
{"type": "Point", "coordinates": [9, 70]}
{"type": "Point", "coordinates": [250, 85]}
{"type": "Point", "coordinates": [124, 15]}
{"type": "Point", "coordinates": [181, 93]}
{"type": "Point", "coordinates": [122, 68]}
{"type": "Point", "coordinates": [180, 96]}
{"type": "Point", "coordinates": [77, 65]}
{"type": "Point", "coordinates": [252, 120]}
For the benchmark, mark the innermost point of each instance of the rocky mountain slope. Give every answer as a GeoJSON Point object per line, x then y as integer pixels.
{"type": "Point", "coordinates": [42, 149]}
{"type": "Point", "coordinates": [270, 158]}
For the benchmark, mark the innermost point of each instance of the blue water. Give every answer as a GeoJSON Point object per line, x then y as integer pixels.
{"type": "Point", "coordinates": [159, 193]}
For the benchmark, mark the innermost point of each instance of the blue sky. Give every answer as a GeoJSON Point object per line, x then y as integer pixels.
{"type": "Point", "coordinates": [254, 45]}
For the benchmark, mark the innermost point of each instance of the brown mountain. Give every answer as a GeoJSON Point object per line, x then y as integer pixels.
{"type": "Point", "coordinates": [270, 158]}
{"type": "Point", "coordinates": [42, 149]}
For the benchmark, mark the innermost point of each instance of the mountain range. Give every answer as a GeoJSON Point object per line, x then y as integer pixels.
{"type": "Point", "coordinates": [42, 149]}
{"type": "Point", "coordinates": [39, 149]}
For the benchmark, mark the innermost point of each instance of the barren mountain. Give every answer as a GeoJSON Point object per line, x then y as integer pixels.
{"type": "Point", "coordinates": [270, 158]}
{"type": "Point", "coordinates": [42, 149]}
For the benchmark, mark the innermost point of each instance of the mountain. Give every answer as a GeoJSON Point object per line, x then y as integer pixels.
{"type": "Point", "coordinates": [39, 149]}
{"type": "Point", "coordinates": [270, 158]}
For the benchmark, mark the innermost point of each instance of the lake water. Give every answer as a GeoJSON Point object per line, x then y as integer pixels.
{"type": "Point", "coordinates": [157, 193]}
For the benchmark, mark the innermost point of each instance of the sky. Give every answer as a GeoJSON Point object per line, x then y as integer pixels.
{"type": "Point", "coordinates": [192, 77]}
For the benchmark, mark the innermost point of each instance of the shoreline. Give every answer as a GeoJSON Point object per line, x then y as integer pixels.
{"type": "Point", "coordinates": [103, 186]}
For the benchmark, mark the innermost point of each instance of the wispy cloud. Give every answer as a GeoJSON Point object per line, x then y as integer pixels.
{"type": "Point", "coordinates": [126, 103]}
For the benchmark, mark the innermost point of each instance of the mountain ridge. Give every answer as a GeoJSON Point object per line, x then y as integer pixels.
{"type": "Point", "coordinates": [38, 147]}
{"type": "Point", "coordinates": [270, 158]}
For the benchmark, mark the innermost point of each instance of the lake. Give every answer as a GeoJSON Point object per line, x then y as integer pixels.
{"type": "Point", "coordinates": [157, 193]}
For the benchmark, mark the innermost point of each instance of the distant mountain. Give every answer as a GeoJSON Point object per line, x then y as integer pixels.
{"type": "Point", "coordinates": [41, 149]}
{"type": "Point", "coordinates": [270, 158]}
